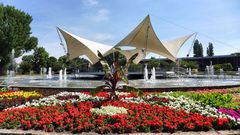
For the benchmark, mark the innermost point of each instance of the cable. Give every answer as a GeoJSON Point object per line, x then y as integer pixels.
{"type": "Point", "coordinates": [192, 44]}
{"type": "Point", "coordinates": [199, 33]}
{"type": "Point", "coordinates": [61, 41]}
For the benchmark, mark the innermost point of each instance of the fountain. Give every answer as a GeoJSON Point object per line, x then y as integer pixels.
{"type": "Point", "coordinates": [239, 71]}
{"type": "Point", "coordinates": [153, 77]}
{"type": "Point", "coordinates": [207, 70]}
{"type": "Point", "coordinates": [12, 59]}
{"type": "Point", "coordinates": [211, 69]}
{"type": "Point", "coordinates": [41, 71]}
{"type": "Point", "coordinates": [60, 75]}
{"type": "Point", "coordinates": [49, 76]}
{"type": "Point", "coordinates": [65, 74]}
{"type": "Point", "coordinates": [145, 73]}
{"type": "Point", "coordinates": [221, 71]}
{"type": "Point", "coordinates": [146, 83]}
{"type": "Point", "coordinates": [189, 71]}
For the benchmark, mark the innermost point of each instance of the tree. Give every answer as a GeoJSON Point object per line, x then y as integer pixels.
{"type": "Point", "coordinates": [62, 61]}
{"type": "Point", "coordinates": [15, 33]}
{"type": "Point", "coordinates": [197, 49]}
{"type": "Point", "coordinates": [53, 62]}
{"type": "Point", "coordinates": [40, 58]}
{"type": "Point", "coordinates": [153, 62]}
{"type": "Point", "coordinates": [189, 64]}
{"type": "Point", "coordinates": [79, 63]}
{"type": "Point", "coordinates": [210, 49]}
{"type": "Point", "coordinates": [27, 63]}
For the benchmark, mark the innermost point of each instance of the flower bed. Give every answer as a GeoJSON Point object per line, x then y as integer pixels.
{"type": "Point", "coordinates": [15, 94]}
{"type": "Point", "coordinates": [16, 98]}
{"type": "Point", "coordinates": [164, 112]}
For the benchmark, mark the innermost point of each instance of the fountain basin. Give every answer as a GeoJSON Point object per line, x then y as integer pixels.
{"type": "Point", "coordinates": [37, 82]}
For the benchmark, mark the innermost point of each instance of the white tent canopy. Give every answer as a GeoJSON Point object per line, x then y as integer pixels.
{"type": "Point", "coordinates": [78, 46]}
{"type": "Point", "coordinates": [142, 38]}
{"type": "Point", "coordinates": [145, 40]}
{"type": "Point", "coordinates": [174, 45]}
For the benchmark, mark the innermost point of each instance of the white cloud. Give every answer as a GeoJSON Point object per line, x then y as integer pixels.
{"type": "Point", "coordinates": [92, 2]}
{"type": "Point", "coordinates": [102, 15]}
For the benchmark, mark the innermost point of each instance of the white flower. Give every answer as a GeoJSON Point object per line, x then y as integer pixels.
{"type": "Point", "coordinates": [52, 100]}
{"type": "Point", "coordinates": [109, 110]}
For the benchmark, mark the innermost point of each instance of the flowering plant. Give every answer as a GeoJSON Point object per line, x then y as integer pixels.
{"type": "Point", "coordinates": [115, 74]}
{"type": "Point", "coordinates": [109, 110]}
{"type": "Point", "coordinates": [14, 94]}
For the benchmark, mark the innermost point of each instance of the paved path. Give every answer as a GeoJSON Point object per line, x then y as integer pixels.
{"type": "Point", "coordinates": [34, 132]}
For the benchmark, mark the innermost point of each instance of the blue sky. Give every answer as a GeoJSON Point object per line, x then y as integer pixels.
{"type": "Point", "coordinates": [108, 21]}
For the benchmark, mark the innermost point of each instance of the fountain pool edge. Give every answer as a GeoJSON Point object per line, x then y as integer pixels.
{"type": "Point", "coordinates": [160, 89]}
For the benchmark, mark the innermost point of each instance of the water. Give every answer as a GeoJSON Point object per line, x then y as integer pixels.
{"type": "Point", "coordinates": [65, 74]}
{"type": "Point", "coordinates": [60, 75]}
{"type": "Point", "coordinates": [37, 81]}
{"type": "Point", "coordinates": [239, 71]}
{"type": "Point", "coordinates": [189, 71]}
{"type": "Point", "coordinates": [145, 73]}
{"type": "Point", "coordinates": [153, 76]}
{"type": "Point", "coordinates": [49, 76]}
{"type": "Point", "coordinates": [11, 72]}
{"type": "Point", "coordinates": [210, 70]}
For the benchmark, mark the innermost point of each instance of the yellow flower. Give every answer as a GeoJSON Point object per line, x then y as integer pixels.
{"type": "Point", "coordinates": [15, 94]}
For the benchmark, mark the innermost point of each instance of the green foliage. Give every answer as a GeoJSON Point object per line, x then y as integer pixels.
{"type": "Point", "coordinates": [4, 89]}
{"type": "Point", "coordinates": [133, 89]}
{"type": "Point", "coordinates": [62, 61]}
{"type": "Point", "coordinates": [135, 67]}
{"type": "Point", "coordinates": [197, 49]}
{"type": "Point", "coordinates": [213, 99]}
{"type": "Point", "coordinates": [225, 67]}
{"type": "Point", "coordinates": [78, 63]}
{"type": "Point", "coordinates": [210, 51]}
{"type": "Point", "coordinates": [189, 64]}
{"type": "Point", "coordinates": [116, 55]}
{"type": "Point", "coordinates": [217, 100]}
{"type": "Point", "coordinates": [153, 62]}
{"type": "Point", "coordinates": [114, 74]}
{"type": "Point", "coordinates": [52, 62]}
{"type": "Point", "coordinates": [98, 89]}
{"type": "Point", "coordinates": [15, 33]}
{"type": "Point", "coordinates": [167, 64]}
{"type": "Point", "coordinates": [40, 58]}
{"type": "Point", "coordinates": [27, 63]}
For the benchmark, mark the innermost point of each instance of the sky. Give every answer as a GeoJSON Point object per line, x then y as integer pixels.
{"type": "Point", "coordinates": [109, 21]}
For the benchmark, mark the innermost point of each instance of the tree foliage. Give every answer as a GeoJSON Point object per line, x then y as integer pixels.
{"type": "Point", "coordinates": [189, 64]}
{"type": "Point", "coordinates": [153, 62]}
{"type": "Point", "coordinates": [27, 63]}
{"type": "Point", "coordinates": [15, 33]}
{"type": "Point", "coordinates": [40, 58]}
{"type": "Point", "coordinates": [53, 62]}
{"type": "Point", "coordinates": [210, 51]}
{"type": "Point", "coordinates": [224, 66]}
{"type": "Point", "coordinates": [197, 49]}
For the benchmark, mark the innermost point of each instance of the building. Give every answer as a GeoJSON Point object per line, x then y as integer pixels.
{"type": "Point", "coordinates": [220, 59]}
